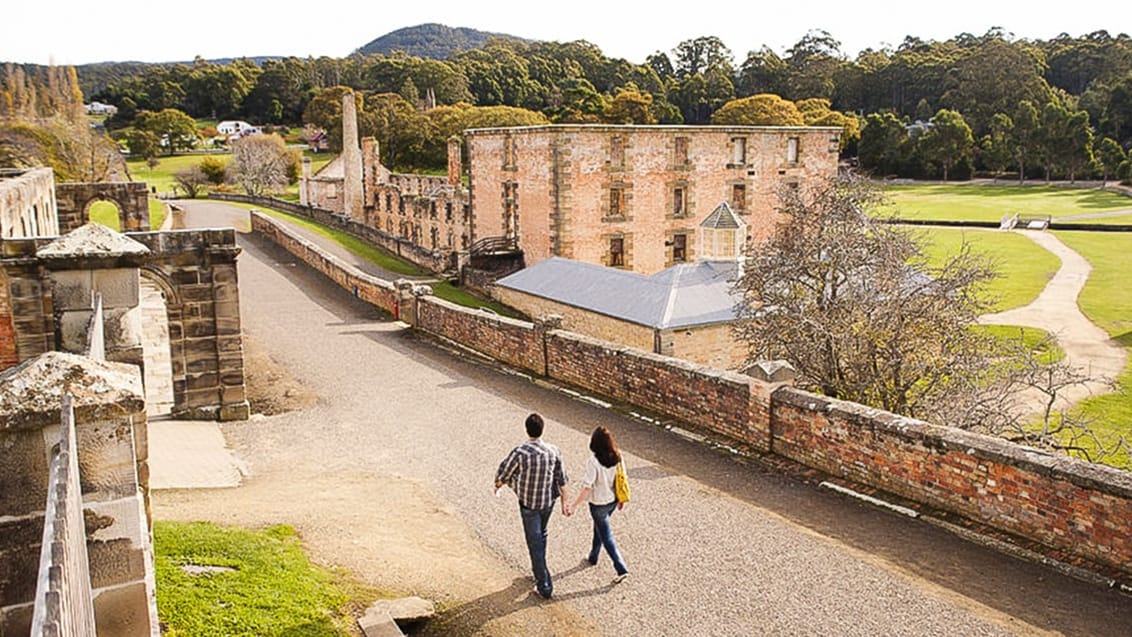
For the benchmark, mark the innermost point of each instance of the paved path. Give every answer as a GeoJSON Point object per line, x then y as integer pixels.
{"type": "Point", "coordinates": [1086, 346]}
{"type": "Point", "coordinates": [716, 546]}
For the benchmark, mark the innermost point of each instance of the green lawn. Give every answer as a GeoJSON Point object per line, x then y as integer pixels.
{"type": "Point", "coordinates": [270, 589]}
{"type": "Point", "coordinates": [161, 176]}
{"type": "Point", "coordinates": [383, 259]}
{"type": "Point", "coordinates": [978, 202]}
{"type": "Point", "coordinates": [1023, 266]}
{"type": "Point", "coordinates": [1107, 302]}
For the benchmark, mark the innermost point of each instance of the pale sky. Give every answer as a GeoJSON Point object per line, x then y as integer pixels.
{"type": "Point", "coordinates": [66, 32]}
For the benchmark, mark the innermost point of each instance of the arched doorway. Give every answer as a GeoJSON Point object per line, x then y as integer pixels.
{"type": "Point", "coordinates": [157, 355]}
{"type": "Point", "coordinates": [106, 212]}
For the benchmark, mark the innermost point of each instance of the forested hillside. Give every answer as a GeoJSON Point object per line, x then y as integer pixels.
{"type": "Point", "coordinates": [1059, 108]}
{"type": "Point", "coordinates": [433, 41]}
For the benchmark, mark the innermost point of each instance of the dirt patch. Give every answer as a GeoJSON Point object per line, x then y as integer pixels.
{"type": "Point", "coordinates": [270, 388]}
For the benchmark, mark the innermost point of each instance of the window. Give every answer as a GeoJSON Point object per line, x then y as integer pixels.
{"type": "Point", "coordinates": [510, 210]}
{"type": "Point", "coordinates": [435, 237]}
{"type": "Point", "coordinates": [738, 151]}
{"type": "Point", "coordinates": [792, 150]}
{"type": "Point", "coordinates": [432, 209]}
{"type": "Point", "coordinates": [617, 151]}
{"type": "Point", "coordinates": [388, 202]}
{"type": "Point", "coordinates": [617, 201]}
{"type": "Point", "coordinates": [681, 158]}
{"type": "Point", "coordinates": [448, 214]}
{"type": "Point", "coordinates": [739, 197]}
{"type": "Point", "coordinates": [508, 152]}
{"type": "Point", "coordinates": [617, 252]}
{"type": "Point", "coordinates": [679, 247]}
{"type": "Point", "coordinates": [679, 201]}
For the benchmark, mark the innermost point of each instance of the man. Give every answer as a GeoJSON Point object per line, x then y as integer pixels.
{"type": "Point", "coordinates": [534, 471]}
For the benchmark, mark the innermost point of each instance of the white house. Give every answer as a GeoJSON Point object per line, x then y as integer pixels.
{"type": "Point", "coordinates": [237, 129]}
{"type": "Point", "coordinates": [98, 108]}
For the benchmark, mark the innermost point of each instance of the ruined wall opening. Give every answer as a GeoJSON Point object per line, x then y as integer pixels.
{"type": "Point", "coordinates": [157, 353]}
{"type": "Point", "coordinates": [105, 211]}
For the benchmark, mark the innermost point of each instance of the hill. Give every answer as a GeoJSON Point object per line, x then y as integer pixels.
{"type": "Point", "coordinates": [433, 41]}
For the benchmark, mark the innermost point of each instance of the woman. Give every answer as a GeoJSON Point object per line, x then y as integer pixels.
{"type": "Point", "coordinates": [597, 487]}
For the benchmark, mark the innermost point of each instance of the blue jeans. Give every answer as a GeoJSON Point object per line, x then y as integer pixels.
{"type": "Point", "coordinates": [534, 528]}
{"type": "Point", "coordinates": [603, 536]}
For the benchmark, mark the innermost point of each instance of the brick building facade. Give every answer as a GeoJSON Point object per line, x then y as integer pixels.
{"type": "Point", "coordinates": [633, 197]}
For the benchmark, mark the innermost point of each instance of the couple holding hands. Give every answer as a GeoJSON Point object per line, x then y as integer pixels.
{"type": "Point", "coordinates": [535, 472]}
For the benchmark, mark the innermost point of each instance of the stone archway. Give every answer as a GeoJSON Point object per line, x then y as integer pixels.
{"type": "Point", "coordinates": [73, 202]}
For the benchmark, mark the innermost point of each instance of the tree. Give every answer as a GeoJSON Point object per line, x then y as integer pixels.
{"type": "Point", "coordinates": [817, 112]}
{"type": "Point", "coordinates": [758, 110]}
{"type": "Point", "coordinates": [700, 55]}
{"type": "Point", "coordinates": [325, 111]}
{"type": "Point", "coordinates": [143, 143]}
{"type": "Point", "coordinates": [262, 164]}
{"type": "Point", "coordinates": [191, 179]}
{"type": "Point", "coordinates": [213, 169]}
{"type": "Point", "coordinates": [853, 305]}
{"type": "Point", "coordinates": [176, 130]}
{"type": "Point", "coordinates": [630, 106]}
{"type": "Point", "coordinates": [997, 147]}
{"type": "Point", "coordinates": [947, 141]}
{"type": "Point", "coordinates": [1111, 155]}
{"type": "Point", "coordinates": [1025, 135]}
{"type": "Point", "coordinates": [884, 145]}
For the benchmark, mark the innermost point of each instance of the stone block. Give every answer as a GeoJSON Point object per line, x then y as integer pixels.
{"type": "Point", "coordinates": [119, 287]}
{"type": "Point", "coordinates": [106, 460]}
{"type": "Point", "coordinates": [19, 559]}
{"type": "Point", "coordinates": [115, 562]}
{"type": "Point", "coordinates": [378, 623]}
{"type": "Point", "coordinates": [16, 620]}
{"type": "Point", "coordinates": [74, 330]}
{"type": "Point", "coordinates": [237, 411]}
{"type": "Point", "coordinates": [124, 611]}
{"type": "Point", "coordinates": [23, 471]}
{"type": "Point", "coordinates": [123, 327]}
{"type": "Point", "coordinates": [72, 289]}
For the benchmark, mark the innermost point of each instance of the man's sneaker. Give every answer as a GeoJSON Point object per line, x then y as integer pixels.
{"type": "Point", "coordinates": [535, 592]}
{"type": "Point", "coordinates": [620, 578]}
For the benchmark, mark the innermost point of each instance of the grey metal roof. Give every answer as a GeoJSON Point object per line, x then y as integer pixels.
{"type": "Point", "coordinates": [681, 296]}
{"type": "Point", "coordinates": [723, 217]}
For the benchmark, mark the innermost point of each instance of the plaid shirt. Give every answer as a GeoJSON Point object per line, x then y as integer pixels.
{"type": "Point", "coordinates": [534, 471]}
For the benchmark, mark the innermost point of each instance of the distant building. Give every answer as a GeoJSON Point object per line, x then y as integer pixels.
{"type": "Point", "coordinates": [98, 108]}
{"type": "Point", "coordinates": [236, 129]}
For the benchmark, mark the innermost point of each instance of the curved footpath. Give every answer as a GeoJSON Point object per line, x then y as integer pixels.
{"type": "Point", "coordinates": [1086, 346]}
{"type": "Point", "coordinates": [389, 475]}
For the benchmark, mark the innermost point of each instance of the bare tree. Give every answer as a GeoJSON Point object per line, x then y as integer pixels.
{"type": "Point", "coordinates": [852, 303]}
{"type": "Point", "coordinates": [261, 164]}
{"type": "Point", "coordinates": [191, 179]}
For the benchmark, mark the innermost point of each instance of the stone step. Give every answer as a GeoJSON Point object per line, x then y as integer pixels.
{"type": "Point", "coordinates": [382, 618]}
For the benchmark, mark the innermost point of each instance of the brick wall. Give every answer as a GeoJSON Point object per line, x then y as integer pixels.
{"type": "Point", "coordinates": [1081, 510]}
{"type": "Point", "coordinates": [516, 343]}
{"type": "Point", "coordinates": [578, 320]}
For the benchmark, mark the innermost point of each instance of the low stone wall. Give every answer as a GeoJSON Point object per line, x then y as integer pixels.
{"type": "Point", "coordinates": [370, 289]}
{"type": "Point", "coordinates": [431, 261]}
{"type": "Point", "coordinates": [1082, 511]}
{"type": "Point", "coordinates": [516, 343]}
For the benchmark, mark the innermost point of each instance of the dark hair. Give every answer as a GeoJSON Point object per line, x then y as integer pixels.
{"type": "Point", "coordinates": [534, 425]}
{"type": "Point", "coordinates": [605, 450]}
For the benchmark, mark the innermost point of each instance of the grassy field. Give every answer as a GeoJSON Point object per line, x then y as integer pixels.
{"type": "Point", "coordinates": [261, 584]}
{"type": "Point", "coordinates": [978, 202]}
{"type": "Point", "coordinates": [383, 259]}
{"type": "Point", "coordinates": [161, 176]}
{"type": "Point", "coordinates": [106, 213]}
{"type": "Point", "coordinates": [1023, 266]}
{"type": "Point", "coordinates": [1106, 301]}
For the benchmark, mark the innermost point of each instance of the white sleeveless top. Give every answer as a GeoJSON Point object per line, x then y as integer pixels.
{"type": "Point", "coordinates": [600, 479]}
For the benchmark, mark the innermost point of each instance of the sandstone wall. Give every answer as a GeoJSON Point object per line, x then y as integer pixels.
{"type": "Point", "coordinates": [74, 200]}
{"type": "Point", "coordinates": [564, 176]}
{"type": "Point", "coordinates": [27, 204]}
